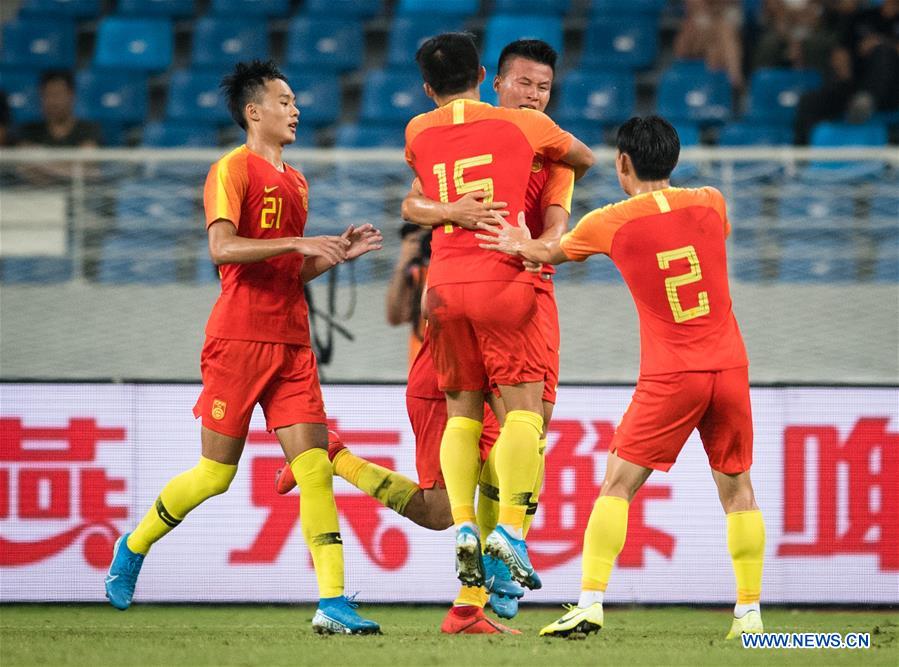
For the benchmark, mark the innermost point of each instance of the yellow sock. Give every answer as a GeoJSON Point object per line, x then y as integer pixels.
{"type": "Point", "coordinates": [488, 495]}
{"type": "Point", "coordinates": [178, 497]}
{"type": "Point", "coordinates": [517, 463]}
{"type": "Point", "coordinates": [472, 596]}
{"type": "Point", "coordinates": [746, 544]}
{"type": "Point", "coordinates": [460, 461]}
{"type": "Point", "coordinates": [389, 488]}
{"type": "Point", "coordinates": [535, 494]}
{"type": "Point", "coordinates": [603, 541]}
{"type": "Point", "coordinates": [318, 519]}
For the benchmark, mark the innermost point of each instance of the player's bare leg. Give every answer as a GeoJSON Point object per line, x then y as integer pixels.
{"type": "Point", "coordinates": [746, 544]}
{"type": "Point", "coordinates": [210, 477]}
{"type": "Point", "coordinates": [305, 446]}
{"type": "Point", "coordinates": [517, 466]}
{"type": "Point", "coordinates": [603, 541]}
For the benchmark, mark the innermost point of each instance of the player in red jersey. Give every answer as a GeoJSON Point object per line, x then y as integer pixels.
{"type": "Point", "coordinates": [669, 244]}
{"type": "Point", "coordinates": [482, 307]}
{"type": "Point", "coordinates": [257, 346]}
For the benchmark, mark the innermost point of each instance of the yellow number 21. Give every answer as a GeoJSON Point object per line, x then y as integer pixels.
{"type": "Point", "coordinates": [271, 213]}
{"type": "Point", "coordinates": [673, 282]}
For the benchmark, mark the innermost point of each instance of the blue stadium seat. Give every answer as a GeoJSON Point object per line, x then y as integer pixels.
{"type": "Point", "coordinates": [604, 97]}
{"type": "Point", "coordinates": [694, 94]}
{"type": "Point", "coordinates": [800, 206]}
{"type": "Point", "coordinates": [318, 97]}
{"type": "Point", "coordinates": [171, 8]}
{"type": "Point", "coordinates": [886, 262]}
{"type": "Point", "coordinates": [134, 43]}
{"type": "Point", "coordinates": [817, 255]}
{"type": "Point", "coordinates": [111, 96]}
{"type": "Point", "coordinates": [503, 28]}
{"type": "Point", "coordinates": [251, 8]}
{"type": "Point", "coordinates": [23, 270]}
{"type": "Point", "coordinates": [389, 96]}
{"type": "Point", "coordinates": [195, 96]}
{"type": "Point", "coordinates": [774, 94]}
{"type": "Point", "coordinates": [39, 43]}
{"type": "Point", "coordinates": [75, 9]}
{"type": "Point", "coordinates": [407, 33]}
{"type": "Point", "coordinates": [22, 90]}
{"type": "Point", "coordinates": [617, 7]}
{"type": "Point", "coordinates": [369, 135]}
{"type": "Point", "coordinates": [144, 257]}
{"type": "Point", "coordinates": [172, 134]}
{"type": "Point", "coordinates": [621, 41]}
{"type": "Point", "coordinates": [150, 205]}
{"type": "Point", "coordinates": [688, 134]}
{"type": "Point", "coordinates": [826, 135]}
{"type": "Point", "coordinates": [358, 9]}
{"type": "Point", "coordinates": [460, 8]}
{"type": "Point", "coordinates": [545, 7]}
{"type": "Point", "coordinates": [325, 43]}
{"type": "Point", "coordinates": [220, 42]}
{"type": "Point", "coordinates": [744, 133]}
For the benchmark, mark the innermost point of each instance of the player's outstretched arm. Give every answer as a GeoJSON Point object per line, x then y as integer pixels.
{"type": "Point", "coordinates": [226, 247]}
{"type": "Point", "coordinates": [512, 240]}
{"type": "Point", "coordinates": [361, 240]}
{"type": "Point", "coordinates": [468, 211]}
{"type": "Point", "coordinates": [579, 157]}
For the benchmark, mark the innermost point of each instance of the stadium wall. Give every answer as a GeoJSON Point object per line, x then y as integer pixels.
{"type": "Point", "coordinates": [80, 463]}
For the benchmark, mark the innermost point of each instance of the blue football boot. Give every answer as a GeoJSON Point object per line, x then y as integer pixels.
{"type": "Point", "coordinates": [514, 553]}
{"type": "Point", "coordinates": [122, 575]}
{"type": "Point", "coordinates": [338, 616]}
{"type": "Point", "coordinates": [469, 563]}
{"type": "Point", "coordinates": [504, 593]}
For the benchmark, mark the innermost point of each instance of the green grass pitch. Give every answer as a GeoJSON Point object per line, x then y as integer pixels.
{"type": "Point", "coordinates": [221, 635]}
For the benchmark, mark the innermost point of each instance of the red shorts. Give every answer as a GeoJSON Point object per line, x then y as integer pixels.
{"type": "Point", "coordinates": [428, 419]}
{"type": "Point", "coordinates": [238, 374]}
{"type": "Point", "coordinates": [666, 408]}
{"type": "Point", "coordinates": [548, 319]}
{"type": "Point", "coordinates": [485, 330]}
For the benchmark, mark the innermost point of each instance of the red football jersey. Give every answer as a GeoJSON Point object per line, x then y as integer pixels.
{"type": "Point", "coordinates": [465, 146]}
{"type": "Point", "coordinates": [551, 184]}
{"type": "Point", "coordinates": [261, 301]}
{"type": "Point", "coordinates": [669, 246]}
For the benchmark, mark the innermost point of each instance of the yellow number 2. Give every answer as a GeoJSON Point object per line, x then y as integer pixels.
{"type": "Point", "coordinates": [673, 282]}
{"type": "Point", "coordinates": [463, 187]}
{"type": "Point", "coordinates": [271, 213]}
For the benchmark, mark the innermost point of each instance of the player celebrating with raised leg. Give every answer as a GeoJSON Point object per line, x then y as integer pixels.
{"type": "Point", "coordinates": [669, 244]}
{"type": "Point", "coordinates": [482, 309]}
{"type": "Point", "coordinates": [257, 346]}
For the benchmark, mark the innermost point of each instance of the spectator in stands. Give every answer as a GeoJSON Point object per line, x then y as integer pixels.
{"type": "Point", "coordinates": [711, 31]}
{"type": "Point", "coordinates": [863, 74]}
{"type": "Point", "coordinates": [59, 127]}
{"type": "Point", "coordinates": [800, 34]}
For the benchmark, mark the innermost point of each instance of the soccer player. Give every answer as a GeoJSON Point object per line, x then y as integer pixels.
{"type": "Point", "coordinates": [669, 244]}
{"type": "Point", "coordinates": [482, 308]}
{"type": "Point", "coordinates": [257, 347]}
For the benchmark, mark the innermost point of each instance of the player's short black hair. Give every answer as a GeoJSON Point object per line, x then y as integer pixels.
{"type": "Point", "coordinates": [245, 83]}
{"type": "Point", "coordinates": [64, 75]}
{"type": "Point", "coordinates": [449, 63]}
{"type": "Point", "coordinates": [652, 144]}
{"type": "Point", "coordinates": [529, 49]}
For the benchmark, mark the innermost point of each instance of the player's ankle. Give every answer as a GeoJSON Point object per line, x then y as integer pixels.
{"type": "Point", "coordinates": [740, 610]}
{"type": "Point", "coordinates": [589, 598]}
{"type": "Point", "coordinates": [464, 610]}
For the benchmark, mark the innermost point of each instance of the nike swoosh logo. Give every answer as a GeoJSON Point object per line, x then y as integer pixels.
{"type": "Point", "coordinates": [270, 189]}
{"type": "Point", "coordinates": [111, 578]}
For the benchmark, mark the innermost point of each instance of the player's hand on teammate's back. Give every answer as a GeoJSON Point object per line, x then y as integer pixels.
{"type": "Point", "coordinates": [362, 240]}
{"type": "Point", "coordinates": [470, 210]}
{"type": "Point", "coordinates": [504, 237]}
{"type": "Point", "coordinates": [332, 248]}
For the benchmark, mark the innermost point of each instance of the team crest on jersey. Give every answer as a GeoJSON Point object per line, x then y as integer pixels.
{"type": "Point", "coordinates": [305, 195]}
{"type": "Point", "coordinates": [218, 409]}
{"type": "Point", "coordinates": [537, 164]}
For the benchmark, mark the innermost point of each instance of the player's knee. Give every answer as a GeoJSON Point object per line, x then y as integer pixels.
{"type": "Point", "coordinates": [438, 520]}
{"type": "Point", "coordinates": [216, 483]}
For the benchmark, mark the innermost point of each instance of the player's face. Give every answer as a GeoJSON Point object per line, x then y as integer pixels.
{"type": "Point", "coordinates": [525, 84]}
{"type": "Point", "coordinates": [278, 113]}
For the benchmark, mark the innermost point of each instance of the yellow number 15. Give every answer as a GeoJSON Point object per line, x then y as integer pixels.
{"type": "Point", "coordinates": [673, 282]}
{"type": "Point", "coordinates": [463, 187]}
